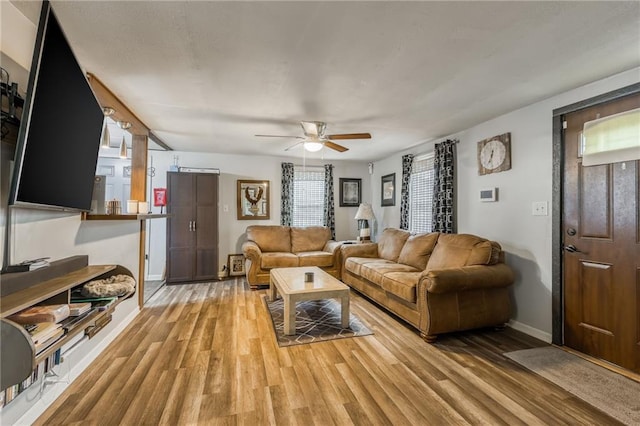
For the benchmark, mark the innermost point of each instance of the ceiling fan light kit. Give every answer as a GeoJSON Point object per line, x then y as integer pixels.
{"type": "Point", "coordinates": [314, 138]}
{"type": "Point", "coordinates": [313, 146]}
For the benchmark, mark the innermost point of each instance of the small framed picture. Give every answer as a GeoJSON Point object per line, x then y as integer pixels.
{"type": "Point", "coordinates": [350, 192]}
{"type": "Point", "coordinates": [388, 190]}
{"type": "Point", "coordinates": [235, 264]}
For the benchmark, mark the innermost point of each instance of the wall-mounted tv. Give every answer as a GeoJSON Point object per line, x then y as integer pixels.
{"type": "Point", "coordinates": [59, 134]}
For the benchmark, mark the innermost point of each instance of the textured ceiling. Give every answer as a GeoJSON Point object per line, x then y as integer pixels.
{"type": "Point", "coordinates": [207, 76]}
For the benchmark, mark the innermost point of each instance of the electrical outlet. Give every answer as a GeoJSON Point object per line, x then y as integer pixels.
{"type": "Point", "coordinates": [540, 208]}
{"type": "Point", "coordinates": [225, 208]}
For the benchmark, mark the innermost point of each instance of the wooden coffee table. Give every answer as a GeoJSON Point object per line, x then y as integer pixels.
{"type": "Point", "coordinates": [289, 282]}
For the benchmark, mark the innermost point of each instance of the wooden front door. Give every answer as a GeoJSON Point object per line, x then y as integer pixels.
{"type": "Point", "coordinates": [601, 256]}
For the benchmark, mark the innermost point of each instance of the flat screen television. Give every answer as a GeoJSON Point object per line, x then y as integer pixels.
{"type": "Point", "coordinates": [59, 135]}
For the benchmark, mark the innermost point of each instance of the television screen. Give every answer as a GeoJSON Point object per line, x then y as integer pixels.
{"type": "Point", "coordinates": [59, 136]}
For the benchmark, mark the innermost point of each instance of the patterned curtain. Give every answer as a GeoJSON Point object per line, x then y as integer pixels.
{"type": "Point", "coordinates": [407, 162]}
{"type": "Point", "coordinates": [444, 202]}
{"type": "Point", "coordinates": [286, 209]}
{"type": "Point", "coordinates": [329, 214]}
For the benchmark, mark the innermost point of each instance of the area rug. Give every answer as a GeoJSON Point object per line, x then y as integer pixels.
{"type": "Point", "coordinates": [606, 390]}
{"type": "Point", "coordinates": [316, 321]}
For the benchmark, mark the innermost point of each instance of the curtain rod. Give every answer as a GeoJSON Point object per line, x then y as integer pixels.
{"type": "Point", "coordinates": [308, 166]}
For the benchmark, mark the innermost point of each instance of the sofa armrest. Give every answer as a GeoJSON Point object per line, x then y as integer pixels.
{"type": "Point", "coordinates": [252, 253]}
{"type": "Point", "coordinates": [467, 278]}
{"type": "Point", "coordinates": [359, 250]}
{"type": "Point", "coordinates": [332, 246]}
{"type": "Point", "coordinates": [251, 250]}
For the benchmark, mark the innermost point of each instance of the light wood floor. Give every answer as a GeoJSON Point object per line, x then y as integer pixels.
{"type": "Point", "coordinates": [206, 354]}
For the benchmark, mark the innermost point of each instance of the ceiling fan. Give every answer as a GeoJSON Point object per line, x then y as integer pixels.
{"type": "Point", "coordinates": [314, 137]}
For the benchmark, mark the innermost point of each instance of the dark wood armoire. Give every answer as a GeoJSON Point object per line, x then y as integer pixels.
{"type": "Point", "coordinates": [192, 227]}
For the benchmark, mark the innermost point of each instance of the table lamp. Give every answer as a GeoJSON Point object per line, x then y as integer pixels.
{"type": "Point", "coordinates": [363, 216]}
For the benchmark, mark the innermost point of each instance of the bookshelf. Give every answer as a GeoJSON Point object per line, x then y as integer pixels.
{"type": "Point", "coordinates": [18, 356]}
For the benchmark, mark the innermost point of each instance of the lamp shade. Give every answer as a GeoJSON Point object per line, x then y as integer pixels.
{"type": "Point", "coordinates": [105, 142]}
{"type": "Point", "coordinates": [365, 212]}
{"type": "Point", "coordinates": [123, 148]}
{"type": "Point", "coordinates": [612, 139]}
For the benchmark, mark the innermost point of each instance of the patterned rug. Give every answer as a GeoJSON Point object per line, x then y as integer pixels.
{"type": "Point", "coordinates": [316, 321]}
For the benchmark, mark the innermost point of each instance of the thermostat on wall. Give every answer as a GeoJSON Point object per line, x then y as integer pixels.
{"type": "Point", "coordinates": [489, 194]}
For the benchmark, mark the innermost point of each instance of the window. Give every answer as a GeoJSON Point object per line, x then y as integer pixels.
{"type": "Point", "coordinates": [421, 194]}
{"type": "Point", "coordinates": [308, 197]}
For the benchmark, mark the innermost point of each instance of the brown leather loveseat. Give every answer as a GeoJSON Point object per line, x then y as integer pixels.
{"type": "Point", "coordinates": [273, 246]}
{"type": "Point", "coordinates": [436, 282]}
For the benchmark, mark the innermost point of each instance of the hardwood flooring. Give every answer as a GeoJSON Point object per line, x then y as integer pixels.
{"type": "Point", "coordinates": [206, 354]}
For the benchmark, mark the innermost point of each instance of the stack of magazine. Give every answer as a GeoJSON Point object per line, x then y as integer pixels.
{"type": "Point", "coordinates": [77, 312]}
{"type": "Point", "coordinates": [44, 334]}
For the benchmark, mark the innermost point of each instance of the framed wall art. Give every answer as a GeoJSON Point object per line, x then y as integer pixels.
{"type": "Point", "coordinates": [253, 200]}
{"type": "Point", "coordinates": [350, 192]}
{"type": "Point", "coordinates": [235, 264]}
{"type": "Point", "coordinates": [388, 190]}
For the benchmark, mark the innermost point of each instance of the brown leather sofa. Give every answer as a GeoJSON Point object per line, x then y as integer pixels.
{"type": "Point", "coordinates": [436, 282]}
{"type": "Point", "coordinates": [272, 246]}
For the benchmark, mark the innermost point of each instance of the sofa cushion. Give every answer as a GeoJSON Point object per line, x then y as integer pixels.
{"type": "Point", "coordinates": [310, 238]}
{"type": "Point", "coordinates": [456, 250]}
{"type": "Point", "coordinates": [485, 253]}
{"type": "Point", "coordinates": [401, 284]}
{"type": "Point", "coordinates": [353, 264]}
{"type": "Point", "coordinates": [417, 250]}
{"type": "Point", "coordinates": [270, 238]}
{"type": "Point", "coordinates": [315, 258]}
{"type": "Point", "coordinates": [278, 260]}
{"type": "Point", "coordinates": [374, 271]}
{"type": "Point", "coordinates": [391, 243]}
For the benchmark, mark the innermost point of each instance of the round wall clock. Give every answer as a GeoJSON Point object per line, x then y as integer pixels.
{"type": "Point", "coordinates": [494, 154]}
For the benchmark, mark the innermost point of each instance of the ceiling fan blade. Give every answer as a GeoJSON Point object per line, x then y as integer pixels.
{"type": "Point", "coordinates": [335, 146]}
{"type": "Point", "coordinates": [279, 136]}
{"type": "Point", "coordinates": [343, 136]}
{"type": "Point", "coordinates": [294, 145]}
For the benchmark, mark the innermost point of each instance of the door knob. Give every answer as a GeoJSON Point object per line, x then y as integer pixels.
{"type": "Point", "coordinates": [572, 249]}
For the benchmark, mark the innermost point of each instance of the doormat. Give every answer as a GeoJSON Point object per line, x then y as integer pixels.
{"type": "Point", "coordinates": [316, 321]}
{"type": "Point", "coordinates": [606, 390]}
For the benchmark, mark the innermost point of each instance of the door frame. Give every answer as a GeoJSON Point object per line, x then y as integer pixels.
{"type": "Point", "coordinates": [557, 296]}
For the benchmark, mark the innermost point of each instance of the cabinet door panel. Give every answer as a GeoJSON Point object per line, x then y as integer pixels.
{"type": "Point", "coordinates": [180, 225]}
{"type": "Point", "coordinates": [180, 189]}
{"type": "Point", "coordinates": [180, 264]}
{"type": "Point", "coordinates": [206, 190]}
{"type": "Point", "coordinates": [206, 264]}
{"type": "Point", "coordinates": [206, 227]}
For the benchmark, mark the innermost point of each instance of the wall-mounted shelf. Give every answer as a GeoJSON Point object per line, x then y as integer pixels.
{"type": "Point", "coordinates": [18, 353]}
{"type": "Point", "coordinates": [123, 216]}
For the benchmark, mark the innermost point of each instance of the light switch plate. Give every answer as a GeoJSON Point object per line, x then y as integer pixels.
{"type": "Point", "coordinates": [540, 208]}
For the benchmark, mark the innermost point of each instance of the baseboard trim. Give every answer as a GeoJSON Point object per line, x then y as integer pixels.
{"type": "Point", "coordinates": [154, 277]}
{"type": "Point", "coordinates": [45, 401]}
{"type": "Point", "coordinates": [531, 331]}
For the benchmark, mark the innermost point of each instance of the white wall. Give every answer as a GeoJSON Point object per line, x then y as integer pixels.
{"type": "Point", "coordinates": [232, 168]}
{"type": "Point", "coordinates": [525, 238]}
